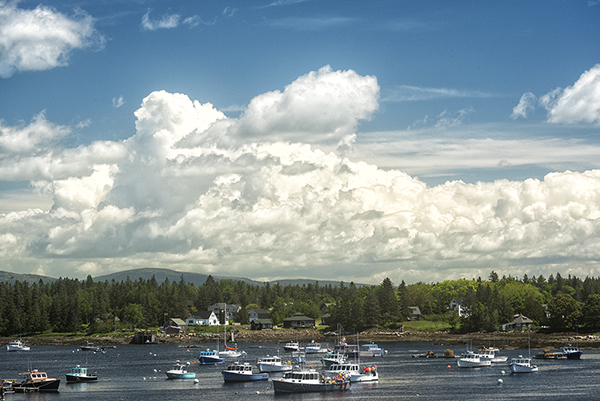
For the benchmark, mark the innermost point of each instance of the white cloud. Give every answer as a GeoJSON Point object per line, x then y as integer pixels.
{"type": "Point", "coordinates": [267, 201]}
{"type": "Point", "coordinates": [167, 21]}
{"type": "Point", "coordinates": [118, 102]}
{"type": "Point", "coordinates": [575, 104]}
{"type": "Point", "coordinates": [29, 139]}
{"type": "Point", "coordinates": [526, 105]}
{"type": "Point", "coordinates": [321, 106]}
{"type": "Point", "coordinates": [579, 103]}
{"type": "Point", "coordinates": [407, 93]}
{"type": "Point", "coordinates": [42, 38]}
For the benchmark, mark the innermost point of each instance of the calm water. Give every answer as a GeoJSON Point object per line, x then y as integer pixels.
{"type": "Point", "coordinates": [128, 373]}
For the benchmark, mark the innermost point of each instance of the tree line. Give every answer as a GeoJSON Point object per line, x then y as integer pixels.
{"type": "Point", "coordinates": [72, 305]}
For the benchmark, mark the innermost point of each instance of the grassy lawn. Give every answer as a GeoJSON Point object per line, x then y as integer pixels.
{"type": "Point", "coordinates": [426, 326]}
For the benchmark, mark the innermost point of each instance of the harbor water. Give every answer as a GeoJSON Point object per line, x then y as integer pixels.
{"type": "Point", "coordinates": [137, 373]}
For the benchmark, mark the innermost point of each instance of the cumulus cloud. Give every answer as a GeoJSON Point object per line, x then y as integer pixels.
{"type": "Point", "coordinates": [579, 103]}
{"type": "Point", "coordinates": [575, 104]}
{"type": "Point", "coordinates": [526, 105]}
{"type": "Point", "coordinates": [267, 204]}
{"type": "Point", "coordinates": [42, 38]}
{"type": "Point", "coordinates": [23, 140]}
{"type": "Point", "coordinates": [320, 106]}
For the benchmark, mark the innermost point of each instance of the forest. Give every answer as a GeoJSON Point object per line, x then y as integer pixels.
{"type": "Point", "coordinates": [71, 305]}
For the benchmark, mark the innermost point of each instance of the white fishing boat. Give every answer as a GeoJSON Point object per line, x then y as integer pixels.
{"type": "Point", "coordinates": [273, 364]}
{"type": "Point", "coordinates": [353, 371]}
{"type": "Point", "coordinates": [314, 348]}
{"type": "Point", "coordinates": [291, 346]}
{"type": "Point", "coordinates": [16, 345]}
{"type": "Point", "coordinates": [471, 359]}
{"type": "Point", "coordinates": [522, 365]}
{"type": "Point", "coordinates": [179, 371]}
{"type": "Point", "coordinates": [372, 349]}
{"type": "Point", "coordinates": [333, 357]}
{"type": "Point", "coordinates": [306, 381]}
{"type": "Point", "coordinates": [491, 355]}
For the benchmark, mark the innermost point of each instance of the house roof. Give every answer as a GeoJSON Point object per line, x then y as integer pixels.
{"type": "Point", "coordinates": [298, 317]}
{"type": "Point", "coordinates": [178, 321]}
{"type": "Point", "coordinates": [203, 314]}
{"type": "Point", "coordinates": [414, 310]}
{"type": "Point", "coordinates": [520, 319]}
{"type": "Point", "coordinates": [262, 321]}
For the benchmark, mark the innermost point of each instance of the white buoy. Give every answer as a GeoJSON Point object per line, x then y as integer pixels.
{"type": "Point", "coordinates": [503, 372]}
{"type": "Point", "coordinates": [196, 381]}
{"type": "Point", "coordinates": [500, 381]}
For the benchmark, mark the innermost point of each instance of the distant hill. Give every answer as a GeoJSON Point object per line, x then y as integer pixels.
{"type": "Point", "coordinates": [199, 278]}
{"type": "Point", "coordinates": [162, 274]}
{"type": "Point", "coordinates": [29, 278]}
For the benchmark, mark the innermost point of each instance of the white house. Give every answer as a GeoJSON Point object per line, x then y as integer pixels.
{"type": "Point", "coordinates": [456, 304]}
{"type": "Point", "coordinates": [203, 318]}
{"type": "Point", "coordinates": [232, 310]}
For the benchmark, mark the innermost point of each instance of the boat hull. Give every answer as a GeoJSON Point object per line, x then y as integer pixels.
{"type": "Point", "coordinates": [518, 368]}
{"type": "Point", "coordinates": [473, 364]}
{"type": "Point", "coordinates": [364, 377]}
{"type": "Point", "coordinates": [266, 367]}
{"type": "Point", "coordinates": [281, 386]}
{"type": "Point", "coordinates": [50, 385]}
{"type": "Point", "coordinates": [172, 375]}
{"type": "Point", "coordinates": [81, 379]}
{"type": "Point", "coordinates": [573, 355]}
{"type": "Point", "coordinates": [210, 360]}
{"type": "Point", "coordinates": [242, 377]}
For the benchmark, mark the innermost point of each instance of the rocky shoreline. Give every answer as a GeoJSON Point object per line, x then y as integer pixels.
{"type": "Point", "coordinates": [511, 340]}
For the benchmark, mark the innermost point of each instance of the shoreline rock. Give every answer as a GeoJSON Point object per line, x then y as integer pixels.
{"type": "Point", "coordinates": [510, 340]}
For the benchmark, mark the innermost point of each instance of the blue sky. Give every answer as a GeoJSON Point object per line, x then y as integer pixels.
{"type": "Point", "coordinates": [416, 140]}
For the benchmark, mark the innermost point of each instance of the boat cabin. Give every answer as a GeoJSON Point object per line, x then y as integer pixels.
{"type": "Point", "coordinates": [302, 376]}
{"type": "Point", "coordinates": [237, 368]}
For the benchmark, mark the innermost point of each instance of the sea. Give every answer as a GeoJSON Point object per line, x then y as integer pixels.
{"type": "Point", "coordinates": [137, 373]}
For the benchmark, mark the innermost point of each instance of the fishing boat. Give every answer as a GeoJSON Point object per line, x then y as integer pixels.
{"type": "Point", "coordinates": [314, 348]}
{"type": "Point", "coordinates": [547, 354]}
{"type": "Point", "coordinates": [471, 359]}
{"type": "Point", "coordinates": [291, 346]}
{"type": "Point", "coordinates": [210, 357]}
{"type": "Point", "coordinates": [306, 381]}
{"type": "Point", "coordinates": [16, 345]}
{"type": "Point", "coordinates": [273, 364]}
{"type": "Point", "coordinates": [36, 381]}
{"type": "Point", "coordinates": [179, 371]}
{"type": "Point", "coordinates": [353, 371]}
{"type": "Point", "coordinates": [571, 352]}
{"type": "Point", "coordinates": [91, 347]}
{"type": "Point", "coordinates": [242, 372]}
{"type": "Point", "coordinates": [79, 374]}
{"type": "Point", "coordinates": [522, 365]}
{"type": "Point", "coordinates": [371, 350]}
{"type": "Point", "coordinates": [333, 357]}
{"type": "Point", "coordinates": [490, 354]}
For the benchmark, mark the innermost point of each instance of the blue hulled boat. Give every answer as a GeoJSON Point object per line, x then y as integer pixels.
{"type": "Point", "coordinates": [210, 357]}
{"type": "Point", "coordinates": [571, 352]}
{"type": "Point", "coordinates": [237, 372]}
